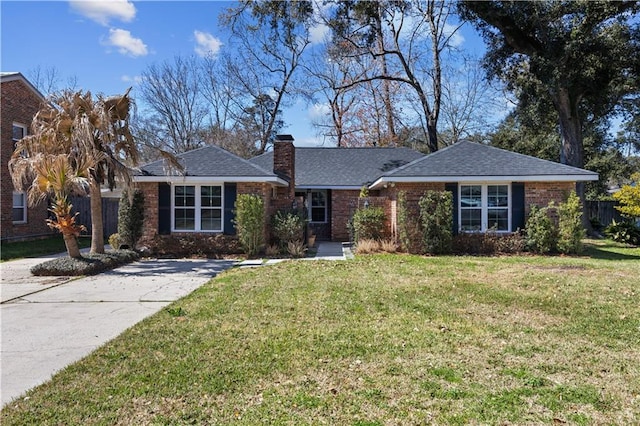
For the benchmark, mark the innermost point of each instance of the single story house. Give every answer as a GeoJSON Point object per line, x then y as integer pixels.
{"type": "Point", "coordinates": [492, 188]}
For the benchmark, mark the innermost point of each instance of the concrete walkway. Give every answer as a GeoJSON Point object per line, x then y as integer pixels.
{"type": "Point", "coordinates": [51, 322]}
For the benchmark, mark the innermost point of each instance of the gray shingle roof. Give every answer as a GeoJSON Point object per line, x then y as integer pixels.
{"type": "Point", "coordinates": [342, 167]}
{"type": "Point", "coordinates": [208, 162]}
{"type": "Point", "coordinates": [472, 159]}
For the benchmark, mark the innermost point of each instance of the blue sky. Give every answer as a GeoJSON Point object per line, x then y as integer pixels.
{"type": "Point", "coordinates": [106, 45]}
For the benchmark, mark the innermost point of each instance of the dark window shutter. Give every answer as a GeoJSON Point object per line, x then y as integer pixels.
{"type": "Point", "coordinates": [517, 206]}
{"type": "Point", "coordinates": [230, 191]}
{"type": "Point", "coordinates": [164, 209]}
{"type": "Point", "coordinates": [453, 188]}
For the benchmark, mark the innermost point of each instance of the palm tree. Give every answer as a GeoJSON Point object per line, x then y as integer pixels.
{"type": "Point", "coordinates": [74, 121]}
{"type": "Point", "coordinates": [57, 174]}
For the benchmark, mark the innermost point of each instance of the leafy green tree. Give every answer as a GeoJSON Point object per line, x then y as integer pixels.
{"type": "Point", "coordinates": [570, 229]}
{"type": "Point", "coordinates": [249, 222]}
{"type": "Point", "coordinates": [629, 198]}
{"type": "Point", "coordinates": [573, 52]}
{"type": "Point", "coordinates": [130, 218]}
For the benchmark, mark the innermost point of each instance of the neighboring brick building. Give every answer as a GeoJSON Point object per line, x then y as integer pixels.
{"type": "Point", "coordinates": [20, 101]}
{"type": "Point", "coordinates": [492, 188]}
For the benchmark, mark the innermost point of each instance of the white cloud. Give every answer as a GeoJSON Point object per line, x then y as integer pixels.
{"type": "Point", "coordinates": [206, 44]}
{"type": "Point", "coordinates": [102, 11]}
{"type": "Point", "coordinates": [126, 43]}
{"type": "Point", "coordinates": [456, 39]}
{"type": "Point", "coordinates": [318, 111]}
{"type": "Point", "coordinates": [318, 33]}
{"type": "Point", "coordinates": [136, 79]}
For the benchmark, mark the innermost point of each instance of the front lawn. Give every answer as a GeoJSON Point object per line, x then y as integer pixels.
{"type": "Point", "coordinates": [382, 339]}
{"type": "Point", "coordinates": [35, 248]}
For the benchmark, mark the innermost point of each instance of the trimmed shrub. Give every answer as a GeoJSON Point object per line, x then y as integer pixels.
{"type": "Point", "coordinates": [287, 226]}
{"type": "Point", "coordinates": [541, 233]}
{"type": "Point", "coordinates": [570, 229]}
{"type": "Point", "coordinates": [249, 222]}
{"type": "Point", "coordinates": [130, 218]}
{"type": "Point", "coordinates": [623, 232]}
{"type": "Point", "coordinates": [88, 264]}
{"type": "Point", "coordinates": [436, 220]}
{"type": "Point", "coordinates": [368, 223]}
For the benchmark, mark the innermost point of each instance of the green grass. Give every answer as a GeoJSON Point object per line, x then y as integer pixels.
{"type": "Point", "coordinates": [22, 249]}
{"type": "Point", "coordinates": [382, 339]}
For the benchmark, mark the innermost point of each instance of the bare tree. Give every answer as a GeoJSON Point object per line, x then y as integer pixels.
{"type": "Point", "coordinates": [400, 35]}
{"type": "Point", "coordinates": [172, 90]}
{"type": "Point", "coordinates": [48, 80]}
{"type": "Point", "coordinates": [270, 39]}
{"type": "Point", "coordinates": [468, 100]}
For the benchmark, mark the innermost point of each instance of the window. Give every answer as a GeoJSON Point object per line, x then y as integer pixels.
{"type": "Point", "coordinates": [484, 207]}
{"type": "Point", "coordinates": [19, 132]}
{"type": "Point", "coordinates": [197, 208]}
{"type": "Point", "coordinates": [318, 207]}
{"type": "Point", "coordinates": [211, 208]}
{"type": "Point", "coordinates": [19, 212]}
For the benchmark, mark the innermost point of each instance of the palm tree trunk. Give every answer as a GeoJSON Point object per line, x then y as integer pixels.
{"type": "Point", "coordinates": [97, 228]}
{"type": "Point", "coordinates": [71, 242]}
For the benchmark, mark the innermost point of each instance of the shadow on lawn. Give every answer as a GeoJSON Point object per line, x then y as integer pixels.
{"type": "Point", "coordinates": [611, 251]}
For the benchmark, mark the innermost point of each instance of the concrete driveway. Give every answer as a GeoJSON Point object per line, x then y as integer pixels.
{"type": "Point", "coordinates": [51, 322]}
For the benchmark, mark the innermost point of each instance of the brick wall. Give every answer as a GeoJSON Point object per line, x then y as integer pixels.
{"type": "Point", "coordinates": [284, 163]}
{"type": "Point", "coordinates": [542, 193]}
{"type": "Point", "coordinates": [18, 105]}
{"type": "Point", "coordinates": [343, 204]}
{"type": "Point", "coordinates": [150, 225]}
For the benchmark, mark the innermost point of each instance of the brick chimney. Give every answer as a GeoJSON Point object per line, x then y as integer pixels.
{"type": "Point", "coordinates": [284, 162]}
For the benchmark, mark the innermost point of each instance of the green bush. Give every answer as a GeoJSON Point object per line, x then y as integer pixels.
{"type": "Point", "coordinates": [88, 264]}
{"type": "Point", "coordinates": [623, 232]}
{"type": "Point", "coordinates": [249, 222]}
{"type": "Point", "coordinates": [570, 229]}
{"type": "Point", "coordinates": [436, 220]}
{"type": "Point", "coordinates": [287, 226]}
{"type": "Point", "coordinates": [368, 223]}
{"type": "Point", "coordinates": [541, 233]}
{"type": "Point", "coordinates": [130, 219]}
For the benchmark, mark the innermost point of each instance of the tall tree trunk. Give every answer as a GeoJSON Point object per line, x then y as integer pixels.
{"type": "Point", "coordinates": [71, 243]}
{"type": "Point", "coordinates": [97, 228]}
{"type": "Point", "coordinates": [572, 152]}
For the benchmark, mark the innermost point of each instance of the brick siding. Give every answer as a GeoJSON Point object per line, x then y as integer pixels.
{"type": "Point", "coordinates": [18, 105]}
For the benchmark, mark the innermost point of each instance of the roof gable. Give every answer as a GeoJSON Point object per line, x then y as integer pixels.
{"type": "Point", "coordinates": [471, 159]}
{"type": "Point", "coordinates": [210, 161]}
{"type": "Point", "coordinates": [16, 76]}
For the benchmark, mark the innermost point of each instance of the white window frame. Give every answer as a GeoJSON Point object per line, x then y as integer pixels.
{"type": "Point", "coordinates": [310, 205]}
{"type": "Point", "coordinates": [198, 208]}
{"type": "Point", "coordinates": [23, 207]}
{"type": "Point", "coordinates": [484, 216]}
{"type": "Point", "coordinates": [15, 141]}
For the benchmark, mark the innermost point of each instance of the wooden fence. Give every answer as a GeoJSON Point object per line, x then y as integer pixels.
{"type": "Point", "coordinates": [604, 211]}
{"type": "Point", "coordinates": [82, 205]}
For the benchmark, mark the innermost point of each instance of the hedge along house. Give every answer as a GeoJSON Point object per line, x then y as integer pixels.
{"type": "Point", "coordinates": [492, 188]}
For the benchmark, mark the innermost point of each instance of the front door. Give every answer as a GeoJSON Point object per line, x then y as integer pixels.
{"type": "Point", "coordinates": [318, 203]}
